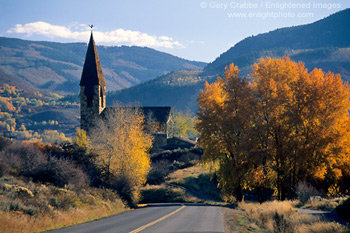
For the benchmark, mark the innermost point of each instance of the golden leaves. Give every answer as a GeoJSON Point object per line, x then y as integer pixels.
{"type": "Point", "coordinates": [285, 126]}
{"type": "Point", "coordinates": [122, 144]}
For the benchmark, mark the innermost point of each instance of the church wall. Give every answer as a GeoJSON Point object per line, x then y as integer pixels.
{"type": "Point", "coordinates": [90, 113]}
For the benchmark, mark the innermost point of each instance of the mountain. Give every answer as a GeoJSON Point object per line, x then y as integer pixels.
{"type": "Point", "coordinates": [324, 44]}
{"type": "Point", "coordinates": [178, 89]}
{"type": "Point", "coordinates": [306, 41]}
{"type": "Point", "coordinates": [58, 66]}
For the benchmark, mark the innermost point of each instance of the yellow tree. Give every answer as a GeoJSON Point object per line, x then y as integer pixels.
{"type": "Point", "coordinates": [285, 126]}
{"type": "Point", "coordinates": [223, 124]}
{"type": "Point", "coordinates": [81, 138]}
{"type": "Point", "coordinates": [122, 146]}
{"type": "Point", "coordinates": [302, 118]}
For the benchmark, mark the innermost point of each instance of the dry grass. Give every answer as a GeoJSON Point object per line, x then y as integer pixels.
{"type": "Point", "coordinates": [165, 193]}
{"type": "Point", "coordinates": [281, 217]}
{"type": "Point", "coordinates": [324, 203]}
{"type": "Point", "coordinates": [235, 221]}
{"type": "Point", "coordinates": [190, 185]}
{"type": "Point", "coordinates": [179, 175]}
{"type": "Point", "coordinates": [19, 222]}
{"type": "Point", "coordinates": [34, 207]}
{"type": "Point", "coordinates": [196, 180]}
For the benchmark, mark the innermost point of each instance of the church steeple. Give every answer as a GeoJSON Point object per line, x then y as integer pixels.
{"type": "Point", "coordinates": [92, 87]}
{"type": "Point", "coordinates": [92, 71]}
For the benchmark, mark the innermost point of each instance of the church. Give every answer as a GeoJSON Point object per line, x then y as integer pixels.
{"type": "Point", "coordinates": [93, 101]}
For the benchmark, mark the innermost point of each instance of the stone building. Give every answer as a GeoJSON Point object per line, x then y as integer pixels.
{"type": "Point", "coordinates": [158, 120]}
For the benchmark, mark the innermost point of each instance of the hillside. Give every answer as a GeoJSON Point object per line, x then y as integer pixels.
{"type": "Point", "coordinates": [58, 66]}
{"type": "Point", "coordinates": [177, 89]}
{"type": "Point", "coordinates": [331, 32]}
{"type": "Point", "coordinates": [324, 44]}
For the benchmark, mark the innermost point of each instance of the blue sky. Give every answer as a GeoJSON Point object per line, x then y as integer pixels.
{"type": "Point", "coordinates": [192, 29]}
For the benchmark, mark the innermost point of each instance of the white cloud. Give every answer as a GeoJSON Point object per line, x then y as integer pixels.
{"type": "Point", "coordinates": [81, 32]}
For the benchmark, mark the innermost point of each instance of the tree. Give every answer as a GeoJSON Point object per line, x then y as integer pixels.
{"type": "Point", "coordinates": [81, 138]}
{"type": "Point", "coordinates": [53, 136]}
{"type": "Point", "coordinates": [122, 146]}
{"type": "Point", "coordinates": [222, 123]}
{"type": "Point", "coordinates": [285, 126]}
{"type": "Point", "coordinates": [184, 124]}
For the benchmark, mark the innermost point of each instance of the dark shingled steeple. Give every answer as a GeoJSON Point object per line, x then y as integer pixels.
{"type": "Point", "coordinates": [92, 72]}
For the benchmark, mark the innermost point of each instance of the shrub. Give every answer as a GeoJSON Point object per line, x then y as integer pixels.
{"type": "Point", "coordinates": [4, 142]}
{"type": "Point", "coordinates": [127, 190]}
{"type": "Point", "coordinates": [281, 225]}
{"type": "Point", "coordinates": [343, 210]}
{"type": "Point", "coordinates": [159, 171]}
{"type": "Point", "coordinates": [16, 205]}
{"type": "Point", "coordinates": [77, 155]}
{"type": "Point", "coordinates": [22, 159]}
{"type": "Point", "coordinates": [65, 200]}
{"type": "Point", "coordinates": [305, 191]}
{"type": "Point", "coordinates": [156, 194]}
{"type": "Point", "coordinates": [60, 172]}
{"type": "Point", "coordinates": [3, 168]}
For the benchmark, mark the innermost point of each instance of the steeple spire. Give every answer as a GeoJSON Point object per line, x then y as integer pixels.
{"type": "Point", "coordinates": [92, 72]}
{"type": "Point", "coordinates": [92, 88]}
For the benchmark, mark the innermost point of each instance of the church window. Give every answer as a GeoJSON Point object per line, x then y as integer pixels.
{"type": "Point", "coordinates": [101, 94]}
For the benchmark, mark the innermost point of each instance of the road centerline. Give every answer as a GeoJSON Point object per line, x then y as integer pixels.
{"type": "Point", "coordinates": [158, 220]}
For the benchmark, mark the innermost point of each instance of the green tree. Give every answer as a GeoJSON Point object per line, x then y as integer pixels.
{"type": "Point", "coordinates": [184, 124]}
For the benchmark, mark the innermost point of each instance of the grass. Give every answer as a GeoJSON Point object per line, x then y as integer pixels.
{"type": "Point", "coordinates": [197, 182]}
{"type": "Point", "coordinates": [323, 204]}
{"type": "Point", "coordinates": [34, 207]}
{"type": "Point", "coordinates": [236, 221]}
{"type": "Point", "coordinates": [277, 216]}
{"type": "Point", "coordinates": [189, 183]}
{"type": "Point", "coordinates": [164, 193]}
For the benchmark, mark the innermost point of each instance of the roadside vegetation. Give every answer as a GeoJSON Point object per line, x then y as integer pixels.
{"type": "Point", "coordinates": [281, 216]}
{"type": "Point", "coordinates": [34, 207]}
{"type": "Point", "coordinates": [44, 186]}
{"type": "Point", "coordinates": [283, 134]}
{"type": "Point", "coordinates": [178, 176]}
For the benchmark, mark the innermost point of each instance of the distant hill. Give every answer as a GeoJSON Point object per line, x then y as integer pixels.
{"type": "Point", "coordinates": [178, 89]}
{"type": "Point", "coordinates": [324, 44]}
{"type": "Point", "coordinates": [57, 66]}
{"type": "Point", "coordinates": [14, 81]}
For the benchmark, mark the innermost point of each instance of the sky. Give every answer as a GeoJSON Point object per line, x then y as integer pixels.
{"type": "Point", "coordinates": [198, 30]}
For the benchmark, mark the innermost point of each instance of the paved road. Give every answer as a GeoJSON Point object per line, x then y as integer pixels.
{"type": "Point", "coordinates": [163, 218]}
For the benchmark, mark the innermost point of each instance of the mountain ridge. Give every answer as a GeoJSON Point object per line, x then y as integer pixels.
{"type": "Point", "coordinates": [333, 30]}
{"type": "Point", "coordinates": [326, 54]}
{"type": "Point", "coordinates": [57, 66]}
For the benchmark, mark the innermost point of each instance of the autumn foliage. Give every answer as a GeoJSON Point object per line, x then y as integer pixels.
{"type": "Point", "coordinates": [281, 126]}
{"type": "Point", "coordinates": [122, 147]}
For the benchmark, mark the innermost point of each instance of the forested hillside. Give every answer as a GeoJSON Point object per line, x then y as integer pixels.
{"type": "Point", "coordinates": [58, 66]}
{"type": "Point", "coordinates": [331, 32]}
{"type": "Point", "coordinates": [177, 89]}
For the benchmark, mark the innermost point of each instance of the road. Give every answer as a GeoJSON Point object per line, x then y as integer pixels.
{"type": "Point", "coordinates": [164, 218]}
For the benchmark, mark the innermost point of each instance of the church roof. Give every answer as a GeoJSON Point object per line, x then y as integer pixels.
{"type": "Point", "coordinates": [161, 114]}
{"type": "Point", "coordinates": [158, 114]}
{"type": "Point", "coordinates": [92, 71]}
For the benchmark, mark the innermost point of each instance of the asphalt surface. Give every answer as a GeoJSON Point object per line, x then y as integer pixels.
{"type": "Point", "coordinates": [165, 218]}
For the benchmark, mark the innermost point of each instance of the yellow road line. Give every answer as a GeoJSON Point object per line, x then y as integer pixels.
{"type": "Point", "coordinates": [157, 221]}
